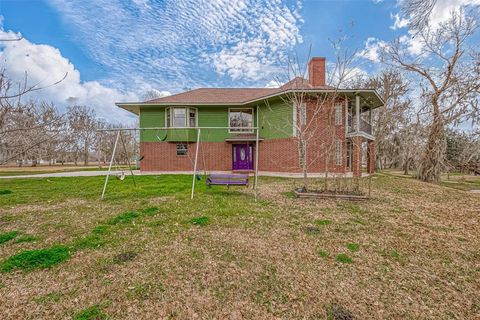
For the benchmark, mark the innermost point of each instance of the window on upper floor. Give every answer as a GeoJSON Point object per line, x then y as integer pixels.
{"type": "Point", "coordinates": [240, 118]}
{"type": "Point", "coordinates": [181, 117]}
{"type": "Point", "coordinates": [300, 112]}
{"type": "Point", "coordinates": [338, 114]}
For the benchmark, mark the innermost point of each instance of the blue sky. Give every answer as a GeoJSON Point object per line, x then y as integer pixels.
{"type": "Point", "coordinates": [117, 50]}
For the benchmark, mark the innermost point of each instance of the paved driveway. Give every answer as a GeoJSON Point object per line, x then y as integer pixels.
{"type": "Point", "coordinates": [70, 174]}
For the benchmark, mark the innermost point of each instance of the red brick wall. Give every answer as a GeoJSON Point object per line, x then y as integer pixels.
{"type": "Point", "coordinates": [316, 71]}
{"type": "Point", "coordinates": [162, 156]}
{"type": "Point", "coordinates": [274, 154]}
{"type": "Point", "coordinates": [357, 156]}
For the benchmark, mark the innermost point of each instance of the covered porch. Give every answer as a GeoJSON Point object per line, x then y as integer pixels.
{"type": "Point", "coordinates": [359, 132]}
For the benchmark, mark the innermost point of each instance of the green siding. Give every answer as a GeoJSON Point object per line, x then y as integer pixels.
{"type": "Point", "coordinates": [275, 122]}
{"type": "Point", "coordinates": [151, 117]}
{"type": "Point", "coordinates": [213, 117]}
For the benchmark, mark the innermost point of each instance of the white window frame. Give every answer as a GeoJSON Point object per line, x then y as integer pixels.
{"type": "Point", "coordinates": [169, 111]}
{"type": "Point", "coordinates": [236, 130]}
{"type": "Point", "coordinates": [302, 113]}
{"type": "Point", "coordinates": [338, 114]}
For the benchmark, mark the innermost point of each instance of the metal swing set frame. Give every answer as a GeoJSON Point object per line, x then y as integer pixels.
{"type": "Point", "coordinates": [195, 166]}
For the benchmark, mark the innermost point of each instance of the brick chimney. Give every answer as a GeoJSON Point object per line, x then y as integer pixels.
{"type": "Point", "coordinates": [316, 71]}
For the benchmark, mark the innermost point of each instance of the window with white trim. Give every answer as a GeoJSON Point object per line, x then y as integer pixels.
{"type": "Point", "coordinates": [303, 113]}
{"type": "Point", "coordinates": [181, 117]}
{"type": "Point", "coordinates": [182, 149]}
{"type": "Point", "coordinates": [241, 118]}
{"type": "Point", "coordinates": [338, 114]}
{"type": "Point", "coordinates": [338, 152]}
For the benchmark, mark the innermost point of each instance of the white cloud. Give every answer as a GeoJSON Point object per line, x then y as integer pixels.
{"type": "Point", "coordinates": [174, 44]}
{"type": "Point", "coordinates": [274, 84]}
{"type": "Point", "coordinates": [442, 10]}
{"type": "Point", "coordinates": [413, 44]}
{"type": "Point", "coordinates": [45, 65]}
{"type": "Point", "coordinates": [261, 51]}
{"type": "Point", "coordinates": [398, 22]}
{"type": "Point", "coordinates": [344, 77]}
{"type": "Point", "coordinates": [373, 48]}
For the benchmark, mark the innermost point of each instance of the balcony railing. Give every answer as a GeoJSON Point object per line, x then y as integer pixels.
{"type": "Point", "coordinates": [364, 125]}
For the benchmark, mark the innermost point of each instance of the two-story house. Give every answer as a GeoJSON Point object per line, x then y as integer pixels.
{"type": "Point", "coordinates": [338, 121]}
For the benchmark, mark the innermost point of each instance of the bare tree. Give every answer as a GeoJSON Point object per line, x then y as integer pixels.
{"type": "Point", "coordinates": [82, 127]}
{"type": "Point", "coordinates": [450, 80]}
{"type": "Point", "coordinates": [21, 122]}
{"type": "Point", "coordinates": [30, 131]}
{"type": "Point", "coordinates": [314, 112]}
{"type": "Point", "coordinates": [392, 117]}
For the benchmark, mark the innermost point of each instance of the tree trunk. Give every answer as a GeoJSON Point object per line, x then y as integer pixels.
{"type": "Point", "coordinates": [406, 166]}
{"type": "Point", "coordinates": [304, 165]}
{"type": "Point", "coordinates": [85, 154]}
{"type": "Point", "coordinates": [431, 163]}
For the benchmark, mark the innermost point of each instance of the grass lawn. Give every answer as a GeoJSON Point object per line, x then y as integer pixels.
{"type": "Point", "coordinates": [411, 252]}
{"type": "Point", "coordinates": [461, 182]}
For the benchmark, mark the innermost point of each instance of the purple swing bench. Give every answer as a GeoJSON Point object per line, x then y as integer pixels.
{"type": "Point", "coordinates": [227, 179]}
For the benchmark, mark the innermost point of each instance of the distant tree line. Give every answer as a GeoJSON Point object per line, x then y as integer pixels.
{"type": "Point", "coordinates": [37, 131]}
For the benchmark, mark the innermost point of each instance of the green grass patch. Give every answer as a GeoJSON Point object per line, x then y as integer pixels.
{"type": "Point", "coordinates": [101, 229]}
{"type": "Point", "coordinates": [92, 241]}
{"type": "Point", "coordinates": [353, 246]}
{"type": "Point", "coordinates": [7, 236]}
{"type": "Point", "coordinates": [343, 258]}
{"type": "Point", "coordinates": [51, 297]}
{"type": "Point", "coordinates": [394, 255]}
{"type": "Point", "coordinates": [323, 254]}
{"type": "Point", "coordinates": [26, 238]}
{"type": "Point", "coordinates": [200, 221]}
{"type": "Point", "coordinates": [323, 222]}
{"type": "Point", "coordinates": [5, 191]}
{"type": "Point", "coordinates": [150, 211]}
{"type": "Point", "coordinates": [125, 217]}
{"type": "Point", "coordinates": [36, 259]}
{"type": "Point", "coordinates": [92, 313]}
{"type": "Point", "coordinates": [289, 194]}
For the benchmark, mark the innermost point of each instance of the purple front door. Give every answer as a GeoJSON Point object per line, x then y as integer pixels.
{"type": "Point", "coordinates": [242, 155]}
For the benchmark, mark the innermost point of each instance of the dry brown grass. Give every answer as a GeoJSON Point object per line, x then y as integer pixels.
{"type": "Point", "coordinates": [418, 257]}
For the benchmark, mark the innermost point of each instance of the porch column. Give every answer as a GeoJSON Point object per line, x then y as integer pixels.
{"type": "Point", "coordinates": [371, 156]}
{"type": "Point", "coordinates": [357, 112]}
{"type": "Point", "coordinates": [357, 156]}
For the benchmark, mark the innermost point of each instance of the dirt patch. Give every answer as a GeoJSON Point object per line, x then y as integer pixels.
{"type": "Point", "coordinates": [124, 257]}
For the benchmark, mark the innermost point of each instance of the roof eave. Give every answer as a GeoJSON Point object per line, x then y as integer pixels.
{"type": "Point", "coordinates": [135, 106]}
